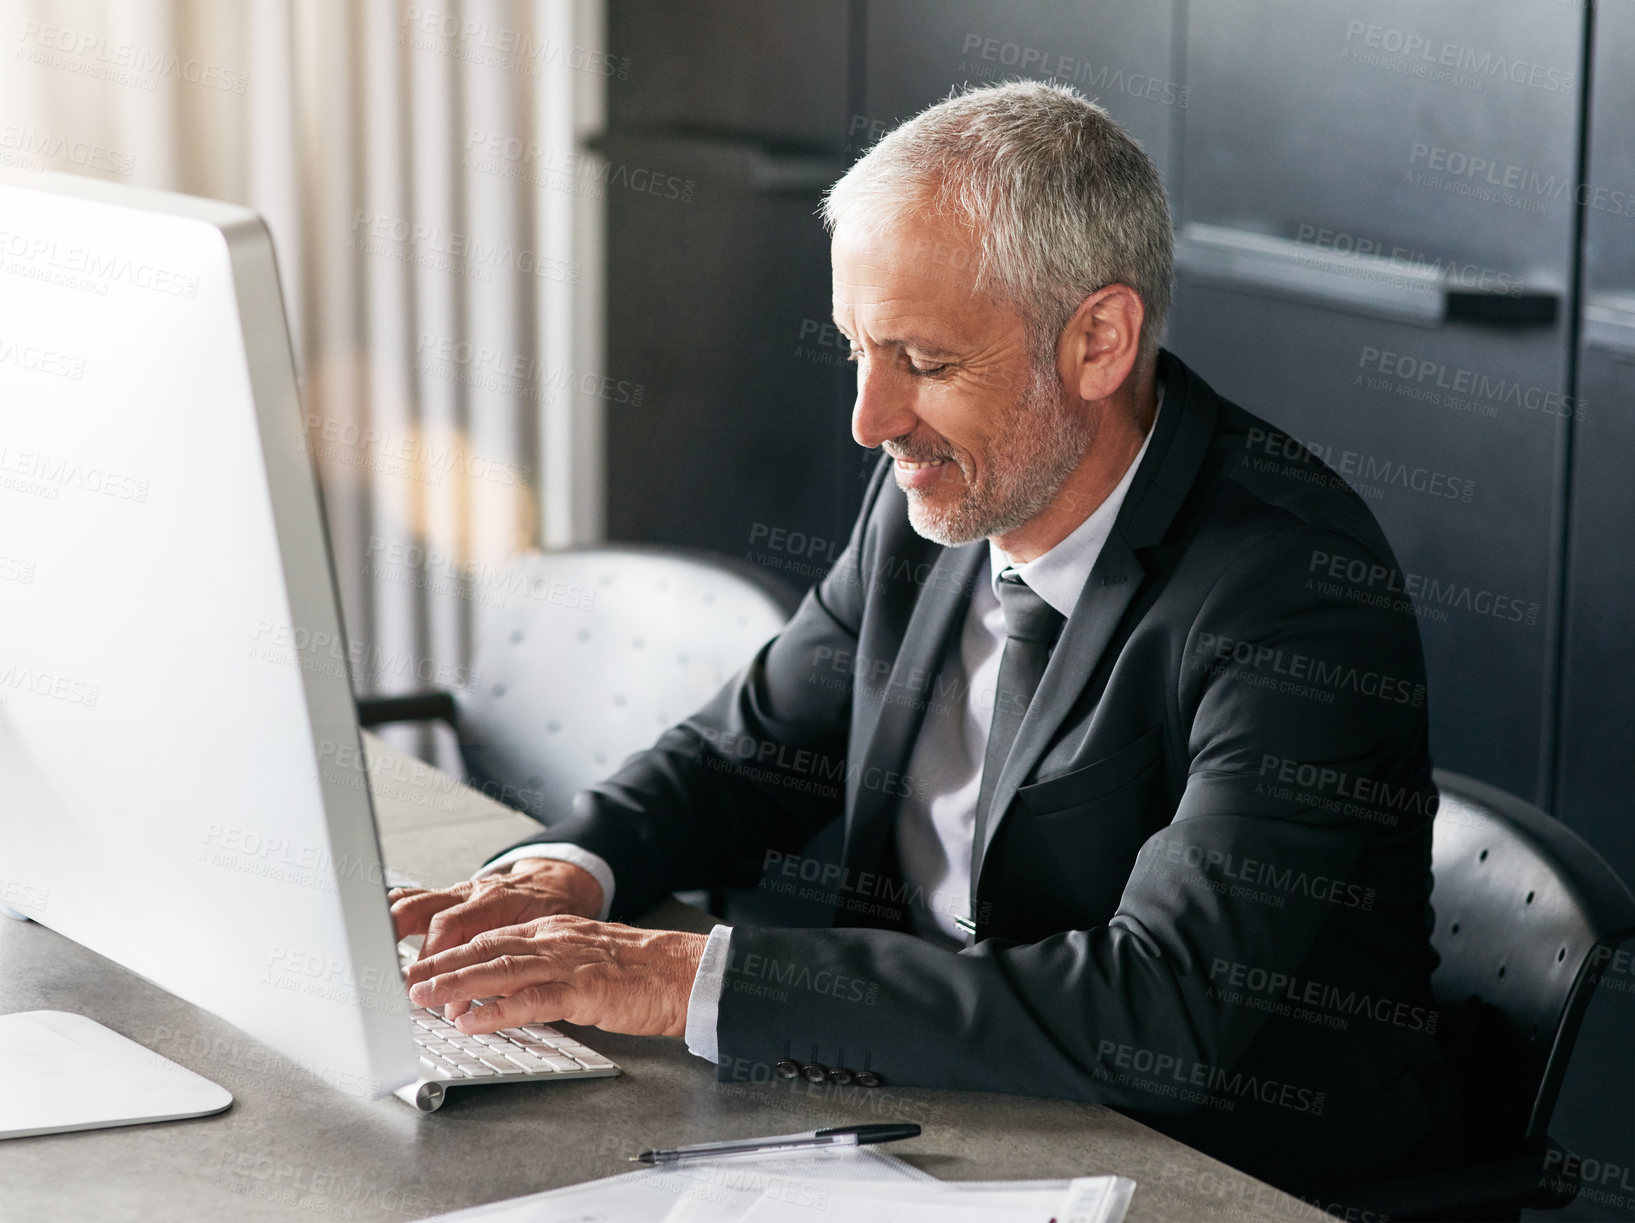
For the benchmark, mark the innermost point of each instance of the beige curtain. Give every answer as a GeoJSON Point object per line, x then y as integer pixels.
{"type": "Point", "coordinates": [438, 233]}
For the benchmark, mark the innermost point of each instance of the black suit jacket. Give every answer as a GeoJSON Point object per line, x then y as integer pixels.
{"type": "Point", "coordinates": [1203, 899]}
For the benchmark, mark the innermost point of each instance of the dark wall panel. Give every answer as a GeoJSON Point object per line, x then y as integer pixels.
{"type": "Point", "coordinates": [1119, 52]}
{"type": "Point", "coordinates": [1598, 705]}
{"type": "Point", "coordinates": [771, 71]}
{"type": "Point", "coordinates": [719, 301]}
{"type": "Point", "coordinates": [719, 307]}
{"type": "Point", "coordinates": [1365, 255]}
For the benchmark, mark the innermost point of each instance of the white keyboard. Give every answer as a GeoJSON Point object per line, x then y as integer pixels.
{"type": "Point", "coordinates": [533, 1051]}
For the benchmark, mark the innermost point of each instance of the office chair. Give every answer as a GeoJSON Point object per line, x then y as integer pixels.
{"type": "Point", "coordinates": [1522, 904]}
{"type": "Point", "coordinates": [589, 655]}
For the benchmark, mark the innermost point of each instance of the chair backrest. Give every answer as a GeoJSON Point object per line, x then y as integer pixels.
{"type": "Point", "coordinates": [592, 653]}
{"type": "Point", "coordinates": [1522, 904]}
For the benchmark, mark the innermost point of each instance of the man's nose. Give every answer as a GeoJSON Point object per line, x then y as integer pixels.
{"type": "Point", "coordinates": [882, 410]}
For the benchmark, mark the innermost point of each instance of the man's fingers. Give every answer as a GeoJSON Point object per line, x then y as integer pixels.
{"type": "Point", "coordinates": [505, 972]}
{"type": "Point", "coordinates": [483, 947]}
{"type": "Point", "coordinates": [459, 923]}
{"type": "Point", "coordinates": [404, 915]}
{"type": "Point", "coordinates": [412, 912]}
{"type": "Point", "coordinates": [545, 1002]}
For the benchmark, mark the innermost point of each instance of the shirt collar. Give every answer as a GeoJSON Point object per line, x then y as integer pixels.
{"type": "Point", "coordinates": [1059, 575]}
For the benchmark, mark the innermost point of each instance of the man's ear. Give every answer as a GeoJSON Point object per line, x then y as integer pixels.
{"type": "Point", "coordinates": [1098, 347]}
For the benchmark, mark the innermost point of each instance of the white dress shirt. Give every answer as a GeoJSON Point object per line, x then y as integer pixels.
{"type": "Point", "coordinates": [936, 823]}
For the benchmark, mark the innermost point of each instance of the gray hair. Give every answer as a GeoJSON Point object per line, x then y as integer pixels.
{"type": "Point", "coordinates": [1061, 200]}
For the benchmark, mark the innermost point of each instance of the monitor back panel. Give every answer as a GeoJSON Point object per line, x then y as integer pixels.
{"type": "Point", "coordinates": [181, 782]}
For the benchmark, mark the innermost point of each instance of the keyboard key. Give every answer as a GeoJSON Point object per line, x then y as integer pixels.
{"type": "Point", "coordinates": [533, 1065]}
{"type": "Point", "coordinates": [533, 1048]}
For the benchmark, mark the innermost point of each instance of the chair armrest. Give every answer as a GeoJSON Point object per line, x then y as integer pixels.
{"type": "Point", "coordinates": [432, 706]}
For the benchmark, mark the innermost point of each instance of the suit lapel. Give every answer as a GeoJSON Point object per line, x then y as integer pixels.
{"type": "Point", "coordinates": [1112, 585]}
{"type": "Point", "coordinates": [1185, 429]}
{"type": "Point", "coordinates": [936, 616]}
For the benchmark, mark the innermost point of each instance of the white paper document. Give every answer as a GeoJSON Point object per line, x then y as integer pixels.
{"type": "Point", "coordinates": [850, 1186]}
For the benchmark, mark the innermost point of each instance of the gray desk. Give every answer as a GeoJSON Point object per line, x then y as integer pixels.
{"type": "Point", "coordinates": [288, 1149]}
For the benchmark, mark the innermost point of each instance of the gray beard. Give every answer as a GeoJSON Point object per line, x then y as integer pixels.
{"type": "Point", "coordinates": [1028, 461]}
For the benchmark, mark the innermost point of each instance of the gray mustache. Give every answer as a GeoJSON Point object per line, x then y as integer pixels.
{"type": "Point", "coordinates": [902, 452]}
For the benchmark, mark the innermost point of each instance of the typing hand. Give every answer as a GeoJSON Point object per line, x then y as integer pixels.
{"type": "Point", "coordinates": [533, 887]}
{"type": "Point", "coordinates": [602, 974]}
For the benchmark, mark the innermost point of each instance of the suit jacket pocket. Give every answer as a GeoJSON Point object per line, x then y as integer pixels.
{"type": "Point", "coordinates": [1063, 855]}
{"type": "Point", "coordinates": [1086, 784]}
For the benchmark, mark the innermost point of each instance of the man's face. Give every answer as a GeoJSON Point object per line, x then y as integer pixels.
{"type": "Point", "coordinates": [946, 382]}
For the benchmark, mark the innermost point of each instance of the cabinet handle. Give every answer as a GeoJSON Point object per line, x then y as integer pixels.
{"type": "Point", "coordinates": [794, 174]}
{"type": "Point", "coordinates": [1418, 294]}
{"type": "Point", "coordinates": [743, 163]}
{"type": "Point", "coordinates": [1609, 323]}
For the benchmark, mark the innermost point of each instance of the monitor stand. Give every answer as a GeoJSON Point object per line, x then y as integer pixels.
{"type": "Point", "coordinates": [66, 1072]}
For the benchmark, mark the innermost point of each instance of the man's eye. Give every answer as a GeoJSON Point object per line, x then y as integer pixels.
{"type": "Point", "coordinates": [927, 371]}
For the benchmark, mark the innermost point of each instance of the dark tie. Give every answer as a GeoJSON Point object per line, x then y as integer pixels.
{"type": "Point", "coordinates": [1031, 627]}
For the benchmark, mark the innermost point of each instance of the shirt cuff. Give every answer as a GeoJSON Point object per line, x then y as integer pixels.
{"type": "Point", "coordinates": [560, 851]}
{"type": "Point", "coordinates": [704, 1005]}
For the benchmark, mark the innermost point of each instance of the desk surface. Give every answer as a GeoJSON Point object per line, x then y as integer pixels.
{"type": "Point", "coordinates": [288, 1149]}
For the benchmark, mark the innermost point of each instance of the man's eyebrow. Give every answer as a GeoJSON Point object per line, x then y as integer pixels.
{"type": "Point", "coordinates": [922, 345]}
{"type": "Point", "coordinates": [919, 344]}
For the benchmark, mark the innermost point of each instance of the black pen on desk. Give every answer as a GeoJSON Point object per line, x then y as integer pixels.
{"type": "Point", "coordinates": [834, 1136]}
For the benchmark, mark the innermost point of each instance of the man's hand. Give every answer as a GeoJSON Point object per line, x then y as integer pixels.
{"type": "Point", "coordinates": [531, 888]}
{"type": "Point", "coordinates": [602, 974]}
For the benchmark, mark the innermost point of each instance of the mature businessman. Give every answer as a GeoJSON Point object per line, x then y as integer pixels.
{"type": "Point", "coordinates": [1136, 792]}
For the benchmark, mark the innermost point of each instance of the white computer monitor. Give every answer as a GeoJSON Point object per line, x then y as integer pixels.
{"type": "Point", "coordinates": [181, 779]}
